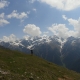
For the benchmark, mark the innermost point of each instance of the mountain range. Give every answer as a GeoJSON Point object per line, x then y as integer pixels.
{"type": "Point", "coordinates": [64, 52]}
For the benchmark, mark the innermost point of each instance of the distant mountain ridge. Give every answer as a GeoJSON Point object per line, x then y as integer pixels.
{"type": "Point", "coordinates": [31, 42]}
{"type": "Point", "coordinates": [52, 48]}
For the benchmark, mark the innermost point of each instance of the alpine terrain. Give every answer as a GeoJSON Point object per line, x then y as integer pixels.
{"type": "Point", "coordinates": [64, 52]}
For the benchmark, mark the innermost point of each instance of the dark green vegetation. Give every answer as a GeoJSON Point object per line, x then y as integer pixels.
{"type": "Point", "coordinates": [15, 65]}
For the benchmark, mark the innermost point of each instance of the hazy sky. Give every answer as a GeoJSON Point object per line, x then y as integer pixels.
{"type": "Point", "coordinates": [23, 18]}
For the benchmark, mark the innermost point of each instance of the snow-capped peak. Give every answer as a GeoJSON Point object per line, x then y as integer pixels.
{"type": "Point", "coordinates": [31, 42]}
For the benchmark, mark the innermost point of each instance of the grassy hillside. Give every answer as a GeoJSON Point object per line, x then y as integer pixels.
{"type": "Point", "coordinates": [18, 66]}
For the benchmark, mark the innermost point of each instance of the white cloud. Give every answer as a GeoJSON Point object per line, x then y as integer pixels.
{"type": "Point", "coordinates": [28, 12]}
{"type": "Point", "coordinates": [62, 31]}
{"type": "Point", "coordinates": [64, 17]}
{"type": "Point", "coordinates": [3, 3]}
{"type": "Point", "coordinates": [2, 15]}
{"type": "Point", "coordinates": [32, 30]}
{"type": "Point", "coordinates": [17, 15]}
{"type": "Point", "coordinates": [66, 5]}
{"type": "Point", "coordinates": [10, 38]}
{"type": "Point", "coordinates": [34, 9]}
{"type": "Point", "coordinates": [26, 37]}
{"type": "Point", "coordinates": [32, 1]}
{"type": "Point", "coordinates": [76, 25]}
{"type": "Point", "coordinates": [3, 21]}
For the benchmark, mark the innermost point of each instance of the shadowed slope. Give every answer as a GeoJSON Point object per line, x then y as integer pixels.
{"type": "Point", "coordinates": [15, 65]}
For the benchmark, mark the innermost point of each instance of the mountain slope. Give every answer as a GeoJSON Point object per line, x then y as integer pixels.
{"type": "Point", "coordinates": [49, 53]}
{"type": "Point", "coordinates": [76, 66]}
{"type": "Point", "coordinates": [64, 52]}
{"type": "Point", "coordinates": [15, 65]}
{"type": "Point", "coordinates": [71, 52]}
{"type": "Point", "coordinates": [47, 47]}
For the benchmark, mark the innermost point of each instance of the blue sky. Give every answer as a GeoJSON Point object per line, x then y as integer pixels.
{"type": "Point", "coordinates": [23, 18]}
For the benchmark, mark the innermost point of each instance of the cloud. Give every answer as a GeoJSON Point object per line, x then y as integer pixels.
{"type": "Point", "coordinates": [66, 5]}
{"type": "Point", "coordinates": [64, 17]}
{"type": "Point", "coordinates": [2, 15]}
{"type": "Point", "coordinates": [17, 15]}
{"type": "Point", "coordinates": [10, 38]}
{"type": "Point", "coordinates": [32, 30]}
{"type": "Point", "coordinates": [32, 1]}
{"type": "Point", "coordinates": [26, 37]}
{"type": "Point", "coordinates": [75, 24]}
{"type": "Point", "coordinates": [3, 21]}
{"type": "Point", "coordinates": [14, 14]}
{"type": "Point", "coordinates": [62, 31]}
{"type": "Point", "coordinates": [3, 3]}
{"type": "Point", "coordinates": [28, 12]}
{"type": "Point", "coordinates": [34, 9]}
